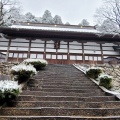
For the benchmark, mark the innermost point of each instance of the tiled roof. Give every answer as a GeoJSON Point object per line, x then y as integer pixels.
{"type": "Point", "coordinates": [55, 28]}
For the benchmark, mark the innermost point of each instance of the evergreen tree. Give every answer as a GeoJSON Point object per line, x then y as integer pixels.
{"type": "Point", "coordinates": [67, 23]}
{"type": "Point", "coordinates": [84, 22]}
{"type": "Point", "coordinates": [57, 20]}
{"type": "Point", "coordinates": [47, 17]}
{"type": "Point", "coordinates": [29, 17]}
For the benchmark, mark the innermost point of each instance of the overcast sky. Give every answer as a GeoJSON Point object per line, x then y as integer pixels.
{"type": "Point", "coordinates": [72, 11]}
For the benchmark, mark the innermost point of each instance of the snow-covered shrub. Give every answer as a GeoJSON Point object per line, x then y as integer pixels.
{"type": "Point", "coordinates": [93, 72]}
{"type": "Point", "coordinates": [23, 72]}
{"type": "Point", "coordinates": [9, 90]}
{"type": "Point", "coordinates": [37, 63]}
{"type": "Point", "coordinates": [105, 80]}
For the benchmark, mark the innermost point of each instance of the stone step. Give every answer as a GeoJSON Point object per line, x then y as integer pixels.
{"type": "Point", "coordinates": [42, 93]}
{"type": "Point", "coordinates": [59, 118]}
{"type": "Point", "coordinates": [65, 90]}
{"type": "Point", "coordinates": [66, 98]}
{"type": "Point", "coordinates": [67, 104]}
{"type": "Point", "coordinates": [51, 111]}
{"type": "Point", "coordinates": [62, 77]}
{"type": "Point", "coordinates": [71, 84]}
{"type": "Point", "coordinates": [61, 92]}
{"type": "Point", "coordinates": [69, 87]}
{"type": "Point", "coordinates": [62, 81]}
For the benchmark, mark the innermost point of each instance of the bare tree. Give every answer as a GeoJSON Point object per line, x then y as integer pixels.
{"type": "Point", "coordinates": [6, 8]}
{"type": "Point", "coordinates": [110, 11]}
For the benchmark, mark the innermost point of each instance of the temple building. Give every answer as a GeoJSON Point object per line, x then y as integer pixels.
{"type": "Point", "coordinates": [58, 44]}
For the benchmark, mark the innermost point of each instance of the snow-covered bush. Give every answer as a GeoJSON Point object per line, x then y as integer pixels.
{"type": "Point", "coordinates": [105, 80]}
{"type": "Point", "coordinates": [23, 72]}
{"type": "Point", "coordinates": [93, 72]}
{"type": "Point", "coordinates": [37, 63]}
{"type": "Point", "coordinates": [9, 90]}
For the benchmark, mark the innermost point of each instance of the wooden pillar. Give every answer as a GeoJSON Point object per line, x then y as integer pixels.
{"type": "Point", "coordinates": [44, 56]}
{"type": "Point", "coordinates": [57, 53]}
{"type": "Point", "coordinates": [18, 57]}
{"type": "Point", "coordinates": [68, 54]}
{"type": "Point", "coordinates": [83, 55]}
{"type": "Point", "coordinates": [57, 56]}
{"type": "Point", "coordinates": [7, 54]}
{"type": "Point", "coordinates": [101, 53]}
{"type": "Point", "coordinates": [28, 56]}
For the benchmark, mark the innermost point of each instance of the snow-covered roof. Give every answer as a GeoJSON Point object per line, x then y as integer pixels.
{"type": "Point", "coordinates": [55, 28]}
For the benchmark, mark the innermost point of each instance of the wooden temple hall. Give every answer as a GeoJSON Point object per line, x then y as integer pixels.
{"type": "Point", "coordinates": [58, 44]}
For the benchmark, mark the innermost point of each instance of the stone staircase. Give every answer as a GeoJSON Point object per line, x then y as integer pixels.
{"type": "Point", "coordinates": [61, 92]}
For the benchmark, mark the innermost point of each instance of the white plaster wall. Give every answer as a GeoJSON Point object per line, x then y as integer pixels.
{"type": "Point", "coordinates": [75, 43]}
{"type": "Point", "coordinates": [92, 52]}
{"type": "Point", "coordinates": [88, 51]}
{"type": "Point", "coordinates": [50, 50]}
{"type": "Point", "coordinates": [3, 48]}
{"type": "Point", "coordinates": [75, 47]}
{"type": "Point", "coordinates": [37, 49]}
{"type": "Point", "coordinates": [62, 50]}
{"type": "Point", "coordinates": [108, 48]}
{"type": "Point", "coordinates": [63, 46]}
{"type": "Point", "coordinates": [19, 44]}
{"type": "Point", "coordinates": [91, 43]}
{"type": "Point", "coordinates": [3, 39]}
{"type": "Point", "coordinates": [62, 42]}
{"type": "Point", "coordinates": [75, 51]}
{"type": "Point", "coordinates": [38, 41]}
{"type": "Point", "coordinates": [19, 40]}
{"type": "Point", "coordinates": [92, 47]}
{"type": "Point", "coordinates": [4, 43]}
{"type": "Point", "coordinates": [52, 42]}
{"type": "Point", "coordinates": [110, 52]}
{"type": "Point", "coordinates": [19, 48]}
{"type": "Point", "coordinates": [37, 45]}
{"type": "Point", "coordinates": [50, 45]}
{"type": "Point", "coordinates": [108, 44]}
